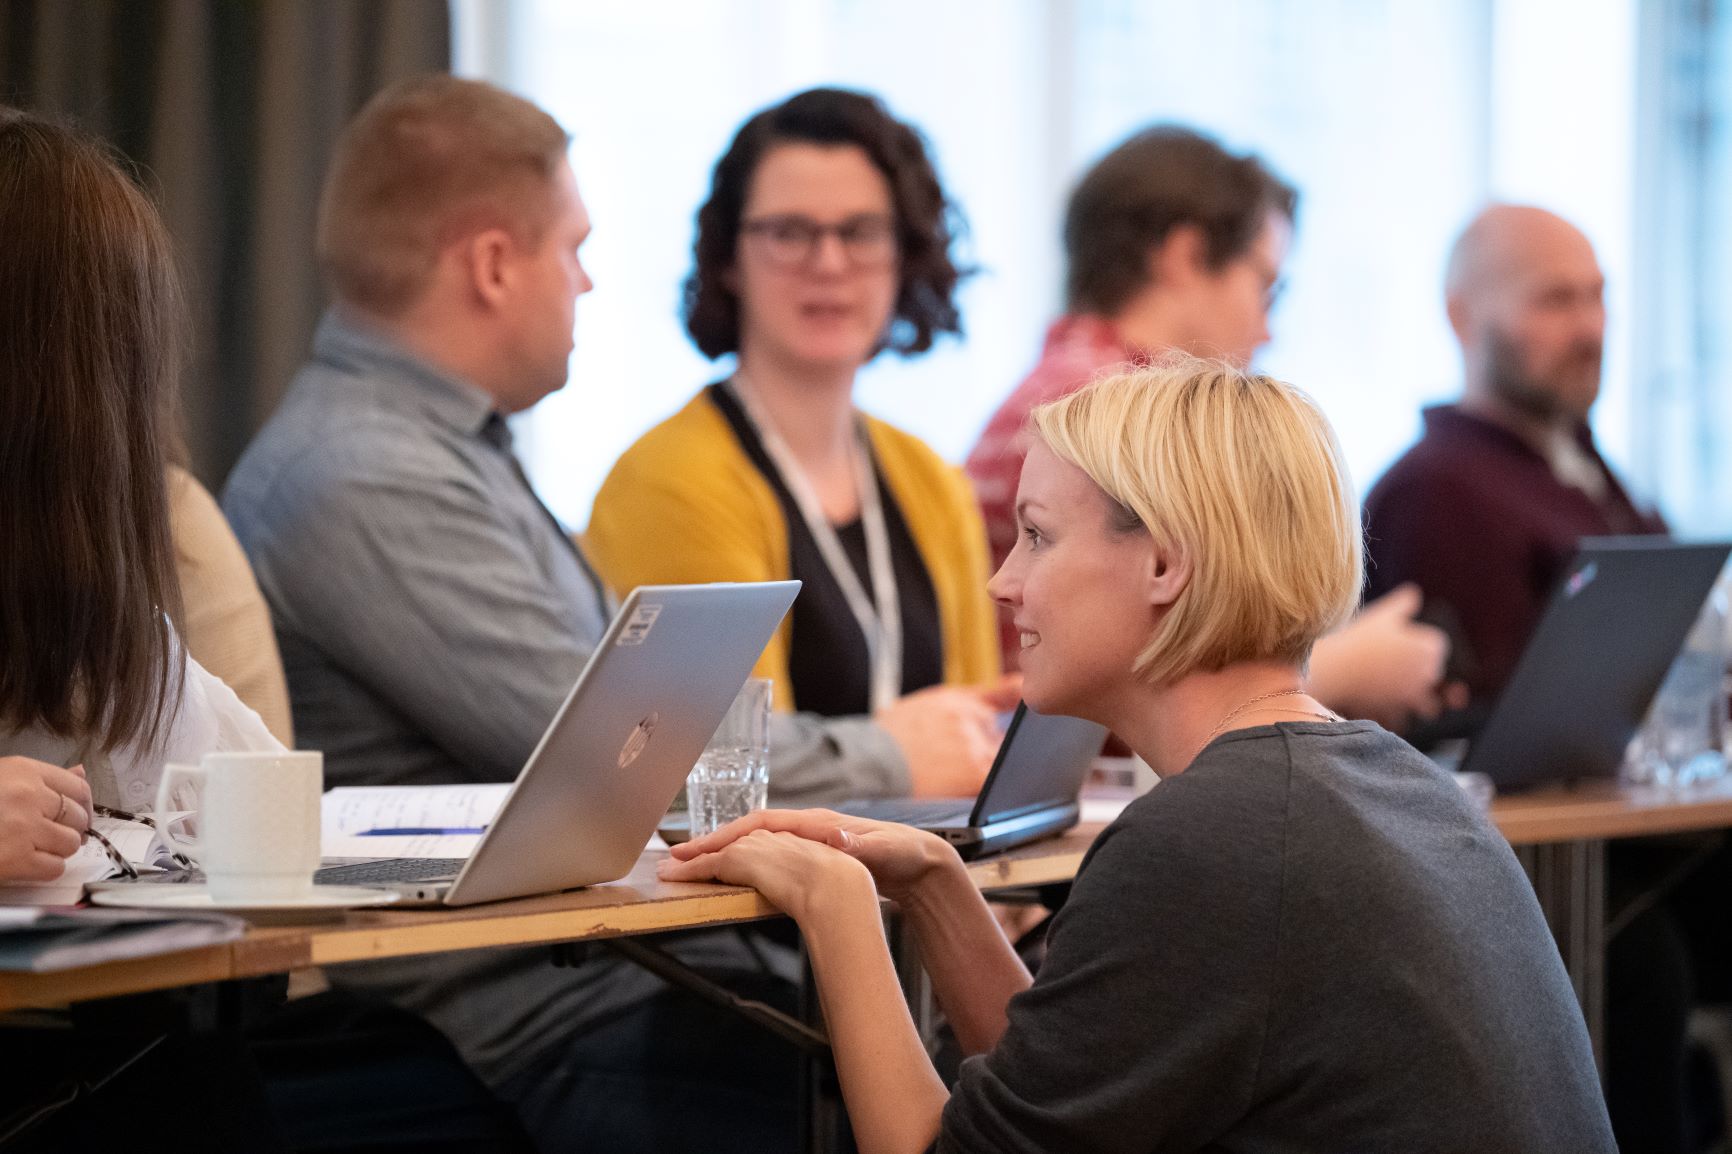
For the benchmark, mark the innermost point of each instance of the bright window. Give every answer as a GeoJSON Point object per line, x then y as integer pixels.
{"type": "Point", "coordinates": [1396, 119]}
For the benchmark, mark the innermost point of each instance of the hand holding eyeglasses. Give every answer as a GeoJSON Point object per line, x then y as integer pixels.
{"type": "Point", "coordinates": [44, 813]}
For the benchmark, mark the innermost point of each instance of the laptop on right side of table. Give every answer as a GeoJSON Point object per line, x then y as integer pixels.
{"type": "Point", "coordinates": [1596, 660]}
{"type": "Point", "coordinates": [1030, 793]}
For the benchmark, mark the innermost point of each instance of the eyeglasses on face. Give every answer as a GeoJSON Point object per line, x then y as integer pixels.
{"type": "Point", "coordinates": [1274, 284]}
{"type": "Point", "coordinates": [788, 239]}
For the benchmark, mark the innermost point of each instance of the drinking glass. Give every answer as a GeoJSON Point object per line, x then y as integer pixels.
{"type": "Point", "coordinates": [732, 776]}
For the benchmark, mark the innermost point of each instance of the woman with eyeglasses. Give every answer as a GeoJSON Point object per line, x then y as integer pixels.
{"type": "Point", "coordinates": [1304, 938]}
{"type": "Point", "coordinates": [826, 240]}
{"type": "Point", "coordinates": [93, 676]}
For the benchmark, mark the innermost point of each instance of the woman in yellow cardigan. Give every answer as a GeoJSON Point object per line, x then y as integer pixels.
{"type": "Point", "coordinates": [825, 240]}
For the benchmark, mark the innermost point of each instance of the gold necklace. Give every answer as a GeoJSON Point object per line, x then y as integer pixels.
{"type": "Point", "coordinates": [1326, 715]}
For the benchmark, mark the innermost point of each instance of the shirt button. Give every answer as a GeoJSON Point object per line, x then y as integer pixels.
{"type": "Point", "coordinates": [137, 789]}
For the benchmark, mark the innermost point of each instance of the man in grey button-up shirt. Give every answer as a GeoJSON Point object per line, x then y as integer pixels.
{"type": "Point", "coordinates": [432, 614]}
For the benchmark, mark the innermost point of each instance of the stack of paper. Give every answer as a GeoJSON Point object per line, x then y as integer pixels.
{"type": "Point", "coordinates": [438, 821]}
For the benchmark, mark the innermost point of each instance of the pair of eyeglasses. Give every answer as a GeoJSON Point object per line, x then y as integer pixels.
{"type": "Point", "coordinates": [789, 239]}
{"type": "Point", "coordinates": [126, 868]}
{"type": "Point", "coordinates": [1274, 284]}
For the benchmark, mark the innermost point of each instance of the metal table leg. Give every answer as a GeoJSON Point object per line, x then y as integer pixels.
{"type": "Point", "coordinates": [822, 1115]}
{"type": "Point", "coordinates": [916, 983]}
{"type": "Point", "coordinates": [1569, 878]}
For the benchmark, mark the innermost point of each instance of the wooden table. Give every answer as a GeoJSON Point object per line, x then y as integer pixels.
{"type": "Point", "coordinates": [636, 904]}
{"type": "Point", "coordinates": [1598, 810]}
{"type": "Point", "coordinates": [1559, 834]}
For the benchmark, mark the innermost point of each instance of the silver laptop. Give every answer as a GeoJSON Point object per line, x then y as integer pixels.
{"type": "Point", "coordinates": [1031, 792]}
{"type": "Point", "coordinates": [614, 756]}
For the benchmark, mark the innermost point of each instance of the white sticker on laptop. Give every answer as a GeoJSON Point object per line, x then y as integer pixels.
{"type": "Point", "coordinates": [637, 628]}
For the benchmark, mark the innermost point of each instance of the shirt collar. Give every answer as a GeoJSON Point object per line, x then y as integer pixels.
{"type": "Point", "coordinates": [448, 399]}
{"type": "Point", "coordinates": [1093, 333]}
{"type": "Point", "coordinates": [1453, 420]}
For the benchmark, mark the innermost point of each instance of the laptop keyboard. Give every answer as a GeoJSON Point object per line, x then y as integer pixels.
{"type": "Point", "coordinates": [390, 870]}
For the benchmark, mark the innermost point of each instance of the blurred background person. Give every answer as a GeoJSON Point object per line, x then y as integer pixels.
{"type": "Point", "coordinates": [826, 240]}
{"type": "Point", "coordinates": [226, 623]}
{"type": "Point", "coordinates": [1174, 244]}
{"type": "Point", "coordinates": [433, 614]}
{"type": "Point", "coordinates": [1485, 511]}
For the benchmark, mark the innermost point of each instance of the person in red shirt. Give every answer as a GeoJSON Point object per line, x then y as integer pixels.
{"type": "Point", "coordinates": [1174, 244]}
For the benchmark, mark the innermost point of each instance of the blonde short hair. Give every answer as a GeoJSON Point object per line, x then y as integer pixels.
{"type": "Point", "coordinates": [427, 162]}
{"type": "Point", "coordinates": [1242, 474]}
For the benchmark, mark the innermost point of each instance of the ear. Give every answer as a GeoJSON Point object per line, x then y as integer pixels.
{"type": "Point", "coordinates": [1460, 316]}
{"type": "Point", "coordinates": [492, 271]}
{"type": "Point", "coordinates": [1166, 574]}
{"type": "Point", "coordinates": [1180, 258]}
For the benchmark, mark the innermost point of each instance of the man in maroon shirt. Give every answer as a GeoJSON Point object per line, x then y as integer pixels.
{"type": "Point", "coordinates": [1484, 513]}
{"type": "Point", "coordinates": [1172, 243]}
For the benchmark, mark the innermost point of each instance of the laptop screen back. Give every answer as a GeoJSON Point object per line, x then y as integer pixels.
{"type": "Point", "coordinates": [620, 746]}
{"type": "Point", "coordinates": [1594, 663]}
{"type": "Point", "coordinates": [1042, 762]}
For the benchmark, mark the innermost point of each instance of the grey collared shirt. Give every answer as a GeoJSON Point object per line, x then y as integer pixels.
{"type": "Point", "coordinates": [431, 613]}
{"type": "Point", "coordinates": [432, 616]}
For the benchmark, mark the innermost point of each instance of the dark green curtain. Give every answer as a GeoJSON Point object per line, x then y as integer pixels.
{"type": "Point", "coordinates": [231, 109]}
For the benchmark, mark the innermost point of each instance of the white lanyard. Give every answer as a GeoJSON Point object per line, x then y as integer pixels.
{"type": "Point", "coordinates": [880, 616]}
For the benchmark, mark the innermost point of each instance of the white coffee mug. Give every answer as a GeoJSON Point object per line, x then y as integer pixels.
{"type": "Point", "coordinates": [258, 822]}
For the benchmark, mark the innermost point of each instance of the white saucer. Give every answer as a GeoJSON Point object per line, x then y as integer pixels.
{"type": "Point", "coordinates": [195, 896]}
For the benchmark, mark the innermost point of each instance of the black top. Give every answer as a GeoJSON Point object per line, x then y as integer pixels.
{"type": "Point", "coordinates": [828, 662]}
{"type": "Point", "coordinates": [1306, 941]}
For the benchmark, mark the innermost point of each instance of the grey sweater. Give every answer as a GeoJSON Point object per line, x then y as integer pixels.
{"type": "Point", "coordinates": [1308, 941]}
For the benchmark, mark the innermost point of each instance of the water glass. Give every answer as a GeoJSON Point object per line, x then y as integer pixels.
{"type": "Point", "coordinates": [732, 776]}
{"type": "Point", "coordinates": [1684, 737]}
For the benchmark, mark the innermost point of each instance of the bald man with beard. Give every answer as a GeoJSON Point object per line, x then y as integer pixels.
{"type": "Point", "coordinates": [1484, 513]}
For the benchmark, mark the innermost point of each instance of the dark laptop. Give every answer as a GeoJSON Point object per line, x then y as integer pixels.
{"type": "Point", "coordinates": [1031, 792]}
{"type": "Point", "coordinates": [1592, 667]}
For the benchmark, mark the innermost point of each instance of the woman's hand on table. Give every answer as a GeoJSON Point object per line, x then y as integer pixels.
{"type": "Point", "coordinates": [898, 858]}
{"type": "Point", "coordinates": [797, 876]}
{"type": "Point", "coordinates": [44, 811]}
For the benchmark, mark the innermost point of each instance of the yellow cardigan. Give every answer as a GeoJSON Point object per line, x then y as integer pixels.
{"type": "Point", "coordinates": [686, 505]}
